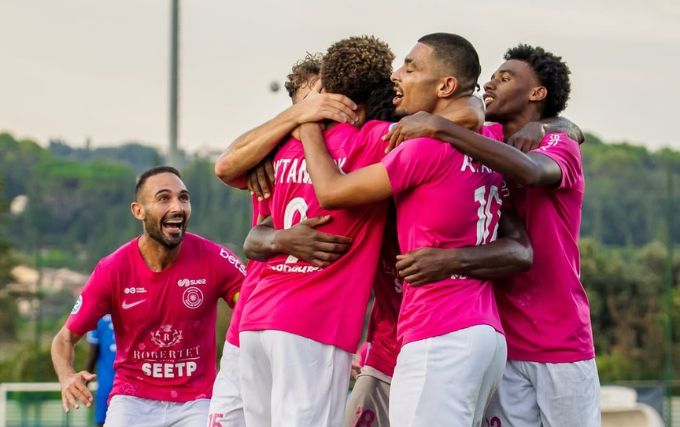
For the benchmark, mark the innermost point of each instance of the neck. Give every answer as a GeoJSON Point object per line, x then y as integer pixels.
{"type": "Point", "coordinates": [157, 256]}
{"type": "Point", "coordinates": [467, 111]}
{"type": "Point", "coordinates": [517, 122]}
{"type": "Point", "coordinates": [448, 108]}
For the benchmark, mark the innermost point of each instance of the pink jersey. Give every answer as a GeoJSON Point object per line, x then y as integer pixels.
{"type": "Point", "coordinates": [164, 322]}
{"type": "Point", "coordinates": [326, 305]}
{"type": "Point", "coordinates": [545, 310]}
{"type": "Point", "coordinates": [382, 349]}
{"type": "Point", "coordinates": [444, 199]}
{"type": "Point", "coordinates": [253, 269]}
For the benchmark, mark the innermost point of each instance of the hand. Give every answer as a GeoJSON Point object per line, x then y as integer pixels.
{"type": "Point", "coordinates": [528, 137]}
{"type": "Point", "coordinates": [74, 389]}
{"type": "Point", "coordinates": [426, 265]}
{"type": "Point", "coordinates": [317, 106]}
{"type": "Point", "coordinates": [420, 124]}
{"type": "Point", "coordinates": [317, 248]}
{"type": "Point", "coordinates": [356, 367]}
{"type": "Point", "coordinates": [261, 179]}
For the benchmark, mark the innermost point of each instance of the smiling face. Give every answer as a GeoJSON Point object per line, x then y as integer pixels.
{"type": "Point", "coordinates": [512, 89]}
{"type": "Point", "coordinates": [164, 208]}
{"type": "Point", "coordinates": [416, 82]}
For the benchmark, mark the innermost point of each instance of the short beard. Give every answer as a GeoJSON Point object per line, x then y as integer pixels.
{"type": "Point", "coordinates": [157, 235]}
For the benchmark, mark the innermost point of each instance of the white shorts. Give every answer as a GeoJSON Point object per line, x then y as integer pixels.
{"type": "Point", "coordinates": [130, 411]}
{"type": "Point", "coordinates": [291, 381]}
{"type": "Point", "coordinates": [368, 404]}
{"type": "Point", "coordinates": [447, 380]}
{"type": "Point", "coordinates": [533, 394]}
{"type": "Point", "coordinates": [226, 405]}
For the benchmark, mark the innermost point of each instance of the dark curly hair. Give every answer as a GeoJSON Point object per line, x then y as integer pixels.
{"type": "Point", "coordinates": [551, 71]}
{"type": "Point", "coordinates": [356, 66]}
{"type": "Point", "coordinates": [308, 66]}
{"type": "Point", "coordinates": [458, 58]}
{"type": "Point", "coordinates": [379, 104]}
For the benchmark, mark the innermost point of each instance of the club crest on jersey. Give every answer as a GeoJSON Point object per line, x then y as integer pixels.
{"type": "Point", "coordinates": [192, 297]}
{"type": "Point", "coordinates": [166, 336]}
{"type": "Point", "coordinates": [77, 305]}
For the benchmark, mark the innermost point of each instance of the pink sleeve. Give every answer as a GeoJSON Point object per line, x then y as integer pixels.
{"type": "Point", "coordinates": [413, 163]}
{"type": "Point", "coordinates": [93, 303]}
{"type": "Point", "coordinates": [231, 273]}
{"type": "Point", "coordinates": [566, 153]}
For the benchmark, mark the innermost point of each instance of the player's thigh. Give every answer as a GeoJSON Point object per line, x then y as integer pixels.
{"type": "Point", "coordinates": [226, 404]}
{"type": "Point", "coordinates": [368, 404]}
{"type": "Point", "coordinates": [130, 411]}
{"type": "Point", "coordinates": [437, 381]}
{"type": "Point", "coordinates": [514, 404]}
{"type": "Point", "coordinates": [189, 414]}
{"type": "Point", "coordinates": [255, 379]}
{"type": "Point", "coordinates": [309, 381]}
{"type": "Point", "coordinates": [569, 394]}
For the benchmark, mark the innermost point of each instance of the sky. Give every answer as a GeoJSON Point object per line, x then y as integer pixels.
{"type": "Point", "coordinates": [99, 70]}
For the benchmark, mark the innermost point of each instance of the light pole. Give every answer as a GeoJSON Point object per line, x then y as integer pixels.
{"type": "Point", "coordinates": [174, 83]}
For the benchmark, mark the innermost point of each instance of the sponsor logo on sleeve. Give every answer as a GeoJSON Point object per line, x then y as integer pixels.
{"type": "Point", "coordinates": [77, 305]}
{"type": "Point", "coordinates": [233, 260]}
{"type": "Point", "coordinates": [553, 140]}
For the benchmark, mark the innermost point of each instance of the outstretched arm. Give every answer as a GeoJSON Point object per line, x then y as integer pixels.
{"type": "Point", "coordinates": [510, 253]}
{"type": "Point", "coordinates": [250, 148]}
{"type": "Point", "coordinates": [333, 189]}
{"type": "Point", "coordinates": [524, 169]}
{"type": "Point", "coordinates": [73, 384]}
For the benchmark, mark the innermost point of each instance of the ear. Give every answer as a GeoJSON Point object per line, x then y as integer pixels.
{"type": "Point", "coordinates": [447, 87]}
{"type": "Point", "coordinates": [538, 93]}
{"type": "Point", "coordinates": [137, 210]}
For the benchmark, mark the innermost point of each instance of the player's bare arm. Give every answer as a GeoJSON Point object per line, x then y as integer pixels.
{"type": "Point", "coordinates": [73, 384]}
{"type": "Point", "coordinates": [530, 135]}
{"type": "Point", "coordinates": [333, 189]}
{"type": "Point", "coordinates": [252, 147]}
{"type": "Point", "coordinates": [302, 241]}
{"type": "Point", "coordinates": [510, 253]}
{"type": "Point", "coordinates": [467, 112]}
{"type": "Point", "coordinates": [525, 169]}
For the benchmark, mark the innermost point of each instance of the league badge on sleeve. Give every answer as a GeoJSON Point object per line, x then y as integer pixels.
{"type": "Point", "coordinates": [78, 304]}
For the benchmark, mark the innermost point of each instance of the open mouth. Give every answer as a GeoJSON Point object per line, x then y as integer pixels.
{"type": "Point", "coordinates": [173, 225]}
{"type": "Point", "coordinates": [398, 95]}
{"type": "Point", "coordinates": [488, 99]}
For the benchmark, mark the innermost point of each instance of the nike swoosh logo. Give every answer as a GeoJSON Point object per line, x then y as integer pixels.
{"type": "Point", "coordinates": [127, 306]}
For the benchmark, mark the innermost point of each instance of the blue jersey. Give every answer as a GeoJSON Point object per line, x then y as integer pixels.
{"type": "Point", "coordinates": [104, 338]}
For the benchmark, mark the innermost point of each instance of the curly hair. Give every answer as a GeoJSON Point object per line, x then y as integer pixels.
{"type": "Point", "coordinates": [308, 66]}
{"type": "Point", "coordinates": [458, 58]}
{"type": "Point", "coordinates": [379, 104]}
{"type": "Point", "coordinates": [355, 66]}
{"type": "Point", "coordinates": [551, 71]}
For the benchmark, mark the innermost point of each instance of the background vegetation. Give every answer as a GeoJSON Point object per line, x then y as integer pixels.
{"type": "Point", "coordinates": [78, 211]}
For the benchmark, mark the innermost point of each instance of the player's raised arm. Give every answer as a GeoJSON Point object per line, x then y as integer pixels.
{"type": "Point", "coordinates": [524, 169]}
{"type": "Point", "coordinates": [73, 384]}
{"type": "Point", "coordinates": [249, 149]}
{"type": "Point", "coordinates": [333, 189]}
